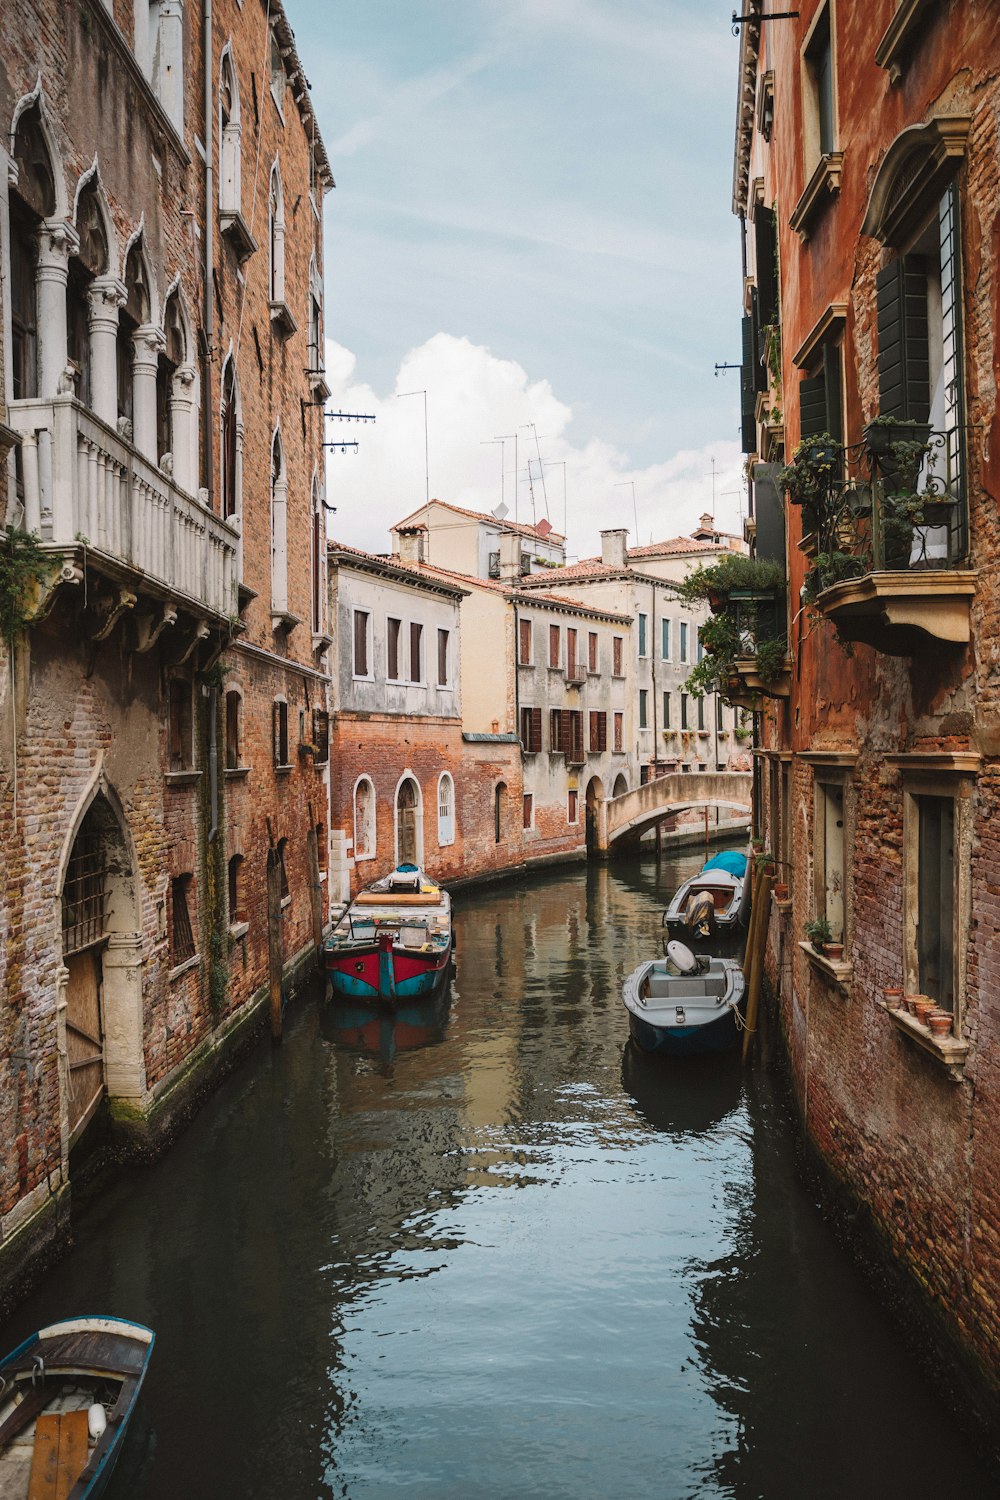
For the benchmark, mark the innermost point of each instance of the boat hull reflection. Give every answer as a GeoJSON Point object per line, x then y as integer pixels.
{"type": "Point", "coordinates": [378, 1032]}
{"type": "Point", "coordinates": [686, 1096]}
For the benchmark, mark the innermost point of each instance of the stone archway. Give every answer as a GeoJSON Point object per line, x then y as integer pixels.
{"type": "Point", "coordinates": [100, 999]}
{"type": "Point", "coordinates": [594, 796]}
{"type": "Point", "coordinates": [621, 785]}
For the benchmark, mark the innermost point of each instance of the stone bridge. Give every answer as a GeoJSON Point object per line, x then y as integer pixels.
{"type": "Point", "coordinates": [633, 812]}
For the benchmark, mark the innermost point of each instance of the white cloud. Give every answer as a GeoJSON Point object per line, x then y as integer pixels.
{"type": "Point", "coordinates": [473, 397]}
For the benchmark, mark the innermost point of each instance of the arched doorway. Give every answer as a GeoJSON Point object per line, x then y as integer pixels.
{"type": "Point", "coordinates": [101, 978]}
{"type": "Point", "coordinates": [499, 811]}
{"type": "Point", "coordinates": [621, 785]}
{"type": "Point", "coordinates": [409, 850]}
{"type": "Point", "coordinates": [595, 794]}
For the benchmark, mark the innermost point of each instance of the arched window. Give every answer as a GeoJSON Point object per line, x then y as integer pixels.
{"type": "Point", "coordinates": [230, 153]}
{"type": "Point", "coordinates": [168, 363]}
{"type": "Point", "coordinates": [314, 341]}
{"type": "Point", "coordinates": [232, 442]}
{"type": "Point", "coordinates": [364, 820]}
{"type": "Point", "coordinates": [409, 829]}
{"type": "Point", "coordinates": [33, 200]}
{"type": "Point", "coordinates": [89, 262]}
{"type": "Point", "coordinates": [317, 558]}
{"type": "Point", "coordinates": [499, 811]}
{"type": "Point", "coordinates": [134, 315]}
{"type": "Point", "coordinates": [446, 809]}
{"type": "Point", "coordinates": [279, 528]}
{"type": "Point", "coordinates": [237, 912]}
{"type": "Point", "coordinates": [234, 729]}
{"type": "Point", "coordinates": [276, 236]}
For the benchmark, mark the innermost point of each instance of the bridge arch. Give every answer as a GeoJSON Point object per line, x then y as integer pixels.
{"type": "Point", "coordinates": [631, 813]}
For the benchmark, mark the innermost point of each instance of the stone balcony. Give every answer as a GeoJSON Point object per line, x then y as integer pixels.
{"type": "Point", "coordinates": [90, 494]}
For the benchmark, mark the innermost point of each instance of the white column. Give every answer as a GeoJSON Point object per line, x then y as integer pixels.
{"type": "Point", "coordinates": [279, 547]}
{"type": "Point", "coordinates": [182, 424]}
{"type": "Point", "coordinates": [148, 343]}
{"type": "Point", "coordinates": [170, 79]}
{"type": "Point", "coordinates": [57, 241]}
{"type": "Point", "coordinates": [107, 295]}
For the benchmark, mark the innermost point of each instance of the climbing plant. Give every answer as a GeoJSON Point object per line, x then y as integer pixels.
{"type": "Point", "coordinates": [23, 566]}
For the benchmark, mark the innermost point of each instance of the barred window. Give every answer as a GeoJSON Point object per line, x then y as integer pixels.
{"type": "Point", "coordinates": [182, 945]}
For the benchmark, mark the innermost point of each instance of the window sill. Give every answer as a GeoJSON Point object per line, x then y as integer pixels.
{"type": "Point", "coordinates": [283, 769]}
{"type": "Point", "coordinates": [285, 901]}
{"type": "Point", "coordinates": [237, 773]}
{"type": "Point", "coordinates": [182, 778]}
{"type": "Point", "coordinates": [823, 185]}
{"type": "Point", "coordinates": [835, 970]}
{"type": "Point", "coordinates": [950, 1051]}
{"type": "Point", "coordinates": [901, 32]}
{"type": "Point", "coordinates": [182, 968]}
{"type": "Point", "coordinates": [236, 229]}
{"type": "Point", "coordinates": [282, 320]}
{"type": "Point", "coordinates": [321, 642]}
{"type": "Point", "coordinates": [782, 905]}
{"type": "Point", "coordinates": [238, 930]}
{"type": "Point", "coordinates": [283, 621]}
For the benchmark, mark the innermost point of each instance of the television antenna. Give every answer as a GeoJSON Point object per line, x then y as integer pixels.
{"type": "Point", "coordinates": [401, 395]}
{"type": "Point", "coordinates": [630, 484]}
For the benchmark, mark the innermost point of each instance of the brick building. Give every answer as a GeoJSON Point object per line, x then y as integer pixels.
{"type": "Point", "coordinates": [164, 711]}
{"type": "Point", "coordinates": [868, 181]}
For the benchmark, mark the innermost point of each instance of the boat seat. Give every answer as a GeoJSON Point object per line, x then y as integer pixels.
{"type": "Point", "coordinates": [716, 985]}
{"type": "Point", "coordinates": [60, 1454]}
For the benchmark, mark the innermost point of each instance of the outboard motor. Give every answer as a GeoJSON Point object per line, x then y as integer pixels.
{"type": "Point", "coordinates": [699, 914]}
{"type": "Point", "coordinates": [683, 961]}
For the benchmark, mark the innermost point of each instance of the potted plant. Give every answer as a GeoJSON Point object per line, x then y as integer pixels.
{"type": "Point", "coordinates": [815, 468]}
{"type": "Point", "coordinates": [819, 932]}
{"type": "Point", "coordinates": [881, 434]}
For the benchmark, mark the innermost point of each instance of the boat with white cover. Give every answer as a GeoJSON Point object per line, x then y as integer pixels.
{"type": "Point", "coordinates": [683, 1004]}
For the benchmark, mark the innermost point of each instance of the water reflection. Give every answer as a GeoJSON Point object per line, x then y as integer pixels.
{"type": "Point", "coordinates": [491, 1249]}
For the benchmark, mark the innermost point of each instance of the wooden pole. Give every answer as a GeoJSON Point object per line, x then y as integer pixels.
{"type": "Point", "coordinates": [315, 888]}
{"type": "Point", "coordinates": [274, 944]}
{"type": "Point", "coordinates": [762, 899]}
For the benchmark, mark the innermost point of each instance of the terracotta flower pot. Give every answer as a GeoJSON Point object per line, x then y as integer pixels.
{"type": "Point", "coordinates": [939, 1022]}
{"type": "Point", "coordinates": [922, 1010]}
{"type": "Point", "coordinates": [835, 951]}
{"type": "Point", "coordinates": [781, 892]}
{"type": "Point", "coordinates": [893, 999]}
{"type": "Point", "coordinates": [909, 1003]}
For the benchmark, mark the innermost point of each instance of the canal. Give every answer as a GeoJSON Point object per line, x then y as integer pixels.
{"type": "Point", "coordinates": [489, 1252]}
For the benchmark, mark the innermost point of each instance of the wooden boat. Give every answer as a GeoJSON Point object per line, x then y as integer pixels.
{"type": "Point", "coordinates": [393, 941]}
{"type": "Point", "coordinates": [685, 1005]}
{"type": "Point", "coordinates": [714, 901]}
{"type": "Point", "coordinates": [66, 1396]}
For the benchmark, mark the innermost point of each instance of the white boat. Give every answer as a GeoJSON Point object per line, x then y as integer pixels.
{"type": "Point", "coordinates": [716, 900]}
{"type": "Point", "coordinates": [683, 1005]}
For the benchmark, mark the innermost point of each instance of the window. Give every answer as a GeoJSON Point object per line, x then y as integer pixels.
{"type": "Point", "coordinates": [230, 155]}
{"type": "Point", "coordinates": [131, 317]}
{"type": "Point", "coordinates": [236, 909]}
{"type": "Point", "coordinates": [818, 113]}
{"type": "Point", "coordinates": [182, 944]}
{"type": "Point", "coordinates": [820, 394]}
{"type": "Point", "coordinates": [286, 894]}
{"type": "Point", "coordinates": [276, 236]}
{"type": "Point", "coordinates": [234, 707]}
{"type": "Point", "coordinates": [232, 441]}
{"type": "Point", "coordinates": [935, 935]}
{"type": "Point", "coordinates": [701, 713]}
{"type": "Point", "coordinates": [701, 649]}
{"type": "Point", "coordinates": [719, 723]}
{"type": "Point", "coordinates": [592, 652]}
{"type": "Point", "coordinates": [527, 810]}
{"type": "Point", "coordinates": [277, 72]}
{"type": "Point", "coordinates": [524, 643]}
{"type": "Point", "coordinates": [619, 734]}
{"type": "Point", "coordinates": [571, 644]}
{"type": "Point", "coordinates": [555, 646]}
{"type": "Point", "coordinates": [499, 811]}
{"type": "Point", "coordinates": [665, 640]}
{"type": "Point", "coordinates": [393, 628]}
{"type": "Point", "coordinates": [642, 635]}
{"type": "Point", "coordinates": [364, 819]}
{"type": "Point", "coordinates": [90, 262]}
{"type": "Point", "coordinates": [362, 631]}
{"type": "Point", "coordinates": [443, 658]}
{"type": "Point", "coordinates": [24, 316]}
{"type": "Point", "coordinates": [317, 556]}
{"type": "Point", "coordinates": [572, 733]}
{"type": "Point", "coordinates": [556, 745]}
{"type": "Point", "coordinates": [684, 641]}
{"type": "Point", "coordinates": [159, 51]}
{"type": "Point", "coordinates": [572, 807]}
{"type": "Point", "coordinates": [416, 652]}
{"type": "Point", "coordinates": [598, 730]}
{"type": "Point", "coordinates": [179, 720]}
{"type": "Point", "coordinates": [666, 710]}
{"type": "Point", "coordinates": [280, 733]}
{"type": "Point", "coordinates": [616, 655]}
{"type": "Point", "coordinates": [314, 339]}
{"type": "Point", "coordinates": [279, 528]}
{"type": "Point", "coordinates": [531, 730]}
{"type": "Point", "coordinates": [321, 736]}
{"type": "Point", "coordinates": [322, 847]}
{"type": "Point", "coordinates": [446, 809]}
{"type": "Point", "coordinates": [684, 710]}
{"type": "Point", "coordinates": [643, 708]}
{"type": "Point", "coordinates": [829, 856]}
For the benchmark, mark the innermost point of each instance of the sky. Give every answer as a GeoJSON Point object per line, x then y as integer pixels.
{"type": "Point", "coordinates": [532, 224]}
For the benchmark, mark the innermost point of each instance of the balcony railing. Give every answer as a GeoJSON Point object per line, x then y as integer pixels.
{"type": "Point", "coordinates": [86, 486]}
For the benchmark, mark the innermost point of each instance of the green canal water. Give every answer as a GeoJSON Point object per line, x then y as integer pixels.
{"type": "Point", "coordinates": [491, 1252]}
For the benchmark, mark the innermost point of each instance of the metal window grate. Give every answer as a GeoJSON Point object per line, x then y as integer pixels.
{"type": "Point", "coordinates": [183, 936]}
{"type": "Point", "coordinates": [83, 895]}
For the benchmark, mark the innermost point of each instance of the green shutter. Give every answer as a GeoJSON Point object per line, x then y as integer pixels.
{"type": "Point", "coordinates": [812, 405]}
{"type": "Point", "coordinates": [768, 513]}
{"type": "Point", "coordinates": [759, 372]}
{"type": "Point", "coordinates": [831, 381]}
{"type": "Point", "coordinates": [766, 254]}
{"type": "Point", "coordinates": [903, 369]}
{"type": "Point", "coordinates": [748, 426]}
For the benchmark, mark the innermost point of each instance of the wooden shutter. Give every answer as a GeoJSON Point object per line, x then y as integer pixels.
{"type": "Point", "coordinates": [592, 650]}
{"type": "Point", "coordinates": [393, 649]}
{"type": "Point", "coordinates": [903, 369]}
{"type": "Point", "coordinates": [416, 652]}
{"type": "Point", "coordinates": [565, 730]}
{"type": "Point", "coordinates": [769, 513]}
{"type": "Point", "coordinates": [766, 248]}
{"type": "Point", "coordinates": [360, 643]}
{"type": "Point", "coordinates": [276, 732]}
{"type": "Point", "coordinates": [524, 628]}
{"type": "Point", "coordinates": [831, 382]}
{"type": "Point", "coordinates": [535, 728]}
{"type": "Point", "coordinates": [812, 405]}
{"type": "Point", "coordinates": [759, 372]}
{"type": "Point", "coordinates": [442, 658]}
{"type": "Point", "coordinates": [748, 425]}
{"type": "Point", "coordinates": [553, 645]}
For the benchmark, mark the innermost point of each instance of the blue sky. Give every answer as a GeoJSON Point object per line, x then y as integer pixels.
{"type": "Point", "coordinates": [531, 220]}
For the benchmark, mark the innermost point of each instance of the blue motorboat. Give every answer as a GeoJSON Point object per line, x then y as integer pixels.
{"type": "Point", "coordinates": [66, 1397]}
{"type": "Point", "coordinates": [683, 1004]}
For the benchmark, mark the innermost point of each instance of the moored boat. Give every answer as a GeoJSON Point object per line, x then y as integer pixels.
{"type": "Point", "coordinates": [393, 941]}
{"type": "Point", "coordinates": [66, 1397]}
{"type": "Point", "coordinates": [715, 901]}
{"type": "Point", "coordinates": [685, 1005]}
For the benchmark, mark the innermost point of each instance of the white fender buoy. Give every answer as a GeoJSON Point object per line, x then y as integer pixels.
{"type": "Point", "coordinates": [97, 1421]}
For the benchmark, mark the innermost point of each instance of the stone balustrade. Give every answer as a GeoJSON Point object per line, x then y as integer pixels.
{"type": "Point", "coordinates": [84, 485]}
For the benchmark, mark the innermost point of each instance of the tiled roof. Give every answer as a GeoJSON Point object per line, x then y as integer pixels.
{"type": "Point", "coordinates": [391, 566]}
{"type": "Point", "coordinates": [677, 546]}
{"type": "Point", "coordinates": [513, 591]}
{"type": "Point", "coordinates": [478, 515]}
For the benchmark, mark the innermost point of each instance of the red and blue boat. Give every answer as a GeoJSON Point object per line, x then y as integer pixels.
{"type": "Point", "coordinates": [394, 940]}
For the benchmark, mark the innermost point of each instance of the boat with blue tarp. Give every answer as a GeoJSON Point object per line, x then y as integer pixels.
{"type": "Point", "coordinates": [713, 902]}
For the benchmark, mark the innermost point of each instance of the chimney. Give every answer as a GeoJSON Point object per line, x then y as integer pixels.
{"type": "Point", "coordinates": [707, 523]}
{"type": "Point", "coordinates": [613, 544]}
{"type": "Point", "coordinates": [510, 556]}
{"type": "Point", "coordinates": [411, 543]}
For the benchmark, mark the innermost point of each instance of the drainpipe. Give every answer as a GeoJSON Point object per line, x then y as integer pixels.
{"type": "Point", "coordinates": [209, 313]}
{"type": "Point", "coordinates": [656, 746]}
